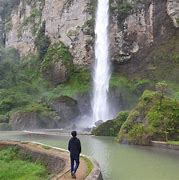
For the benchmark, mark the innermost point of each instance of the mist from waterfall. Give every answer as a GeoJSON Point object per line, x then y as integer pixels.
{"type": "Point", "coordinates": [101, 74]}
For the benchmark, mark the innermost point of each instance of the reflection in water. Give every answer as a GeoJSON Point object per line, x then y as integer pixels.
{"type": "Point", "coordinates": [118, 162]}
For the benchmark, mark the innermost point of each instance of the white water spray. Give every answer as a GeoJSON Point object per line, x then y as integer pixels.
{"type": "Point", "coordinates": [101, 74]}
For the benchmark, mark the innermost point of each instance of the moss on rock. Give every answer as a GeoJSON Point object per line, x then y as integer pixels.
{"type": "Point", "coordinates": [57, 64]}
{"type": "Point", "coordinates": [111, 127]}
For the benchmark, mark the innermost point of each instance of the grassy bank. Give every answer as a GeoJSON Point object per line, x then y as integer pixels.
{"type": "Point", "coordinates": [173, 142]}
{"type": "Point", "coordinates": [13, 167]}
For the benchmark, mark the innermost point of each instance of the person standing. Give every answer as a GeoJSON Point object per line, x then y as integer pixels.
{"type": "Point", "coordinates": [74, 146]}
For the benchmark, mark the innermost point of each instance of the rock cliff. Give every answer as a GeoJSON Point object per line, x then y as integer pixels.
{"type": "Point", "coordinates": [135, 25]}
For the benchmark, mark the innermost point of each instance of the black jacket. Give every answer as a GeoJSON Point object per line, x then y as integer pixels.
{"type": "Point", "coordinates": [74, 146]}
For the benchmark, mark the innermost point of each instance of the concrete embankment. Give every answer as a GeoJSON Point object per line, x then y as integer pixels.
{"type": "Point", "coordinates": [56, 160]}
{"type": "Point", "coordinates": [164, 145]}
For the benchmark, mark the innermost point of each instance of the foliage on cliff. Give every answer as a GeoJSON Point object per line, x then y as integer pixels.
{"type": "Point", "coordinates": [23, 88]}
{"type": "Point", "coordinates": [155, 117]}
{"type": "Point", "coordinates": [111, 127]}
{"type": "Point", "coordinates": [42, 42]}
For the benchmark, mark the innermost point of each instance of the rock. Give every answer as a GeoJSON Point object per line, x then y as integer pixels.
{"type": "Point", "coordinates": [137, 30]}
{"type": "Point", "coordinates": [33, 120]}
{"type": "Point", "coordinates": [57, 73]}
{"type": "Point", "coordinates": [5, 127]}
{"type": "Point", "coordinates": [24, 22]}
{"type": "Point", "coordinates": [84, 103]}
{"type": "Point", "coordinates": [1, 33]}
{"type": "Point", "coordinates": [111, 127]}
{"type": "Point", "coordinates": [64, 22]}
{"type": "Point", "coordinates": [132, 31]}
{"type": "Point", "coordinates": [98, 123]}
{"type": "Point", "coordinates": [173, 11]}
{"type": "Point", "coordinates": [57, 64]}
{"type": "Point", "coordinates": [66, 107]}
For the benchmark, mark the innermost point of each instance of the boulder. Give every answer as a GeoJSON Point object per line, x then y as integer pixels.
{"type": "Point", "coordinates": [33, 120]}
{"type": "Point", "coordinates": [111, 127]}
{"type": "Point", "coordinates": [66, 107]}
{"type": "Point", "coordinates": [98, 123]}
{"type": "Point", "coordinates": [57, 64]}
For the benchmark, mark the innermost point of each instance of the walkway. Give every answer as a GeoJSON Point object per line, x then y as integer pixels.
{"type": "Point", "coordinates": [65, 174]}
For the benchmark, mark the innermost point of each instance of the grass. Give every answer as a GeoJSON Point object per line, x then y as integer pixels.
{"type": "Point", "coordinates": [79, 83]}
{"type": "Point", "coordinates": [173, 142]}
{"type": "Point", "coordinates": [89, 165]}
{"type": "Point", "coordinates": [46, 147]}
{"type": "Point", "coordinates": [13, 167]}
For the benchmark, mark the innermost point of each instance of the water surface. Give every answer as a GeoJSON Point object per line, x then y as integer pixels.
{"type": "Point", "coordinates": [118, 162]}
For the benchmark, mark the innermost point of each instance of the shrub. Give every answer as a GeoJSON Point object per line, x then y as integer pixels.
{"type": "Point", "coordinates": [111, 127]}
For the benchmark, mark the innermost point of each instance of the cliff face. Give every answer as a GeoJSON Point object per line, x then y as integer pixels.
{"type": "Point", "coordinates": [138, 26]}
{"type": "Point", "coordinates": [135, 26]}
{"type": "Point", "coordinates": [1, 32]}
{"type": "Point", "coordinates": [173, 11]}
{"type": "Point", "coordinates": [64, 21]}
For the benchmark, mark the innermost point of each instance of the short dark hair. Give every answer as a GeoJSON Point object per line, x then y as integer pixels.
{"type": "Point", "coordinates": [74, 133]}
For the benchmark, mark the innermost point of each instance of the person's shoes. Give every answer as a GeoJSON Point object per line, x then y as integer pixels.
{"type": "Point", "coordinates": [73, 175]}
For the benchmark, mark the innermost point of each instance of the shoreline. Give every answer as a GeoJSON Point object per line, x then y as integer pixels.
{"type": "Point", "coordinates": [165, 145]}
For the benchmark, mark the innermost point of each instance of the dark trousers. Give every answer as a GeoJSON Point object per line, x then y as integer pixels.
{"type": "Point", "coordinates": [75, 161]}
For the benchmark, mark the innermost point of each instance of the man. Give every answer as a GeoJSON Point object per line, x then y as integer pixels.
{"type": "Point", "coordinates": [74, 146]}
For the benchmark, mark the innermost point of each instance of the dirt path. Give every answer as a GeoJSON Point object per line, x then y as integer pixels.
{"type": "Point", "coordinates": [66, 173]}
{"type": "Point", "coordinates": [81, 173]}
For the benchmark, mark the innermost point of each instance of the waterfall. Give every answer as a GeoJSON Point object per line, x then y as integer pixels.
{"type": "Point", "coordinates": [101, 74]}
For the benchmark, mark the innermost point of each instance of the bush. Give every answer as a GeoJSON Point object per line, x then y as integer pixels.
{"type": "Point", "coordinates": [42, 42]}
{"type": "Point", "coordinates": [149, 120]}
{"type": "Point", "coordinates": [111, 127]}
{"type": "Point", "coordinates": [56, 53]}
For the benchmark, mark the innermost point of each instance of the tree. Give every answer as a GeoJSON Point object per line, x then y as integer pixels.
{"type": "Point", "coordinates": [162, 89]}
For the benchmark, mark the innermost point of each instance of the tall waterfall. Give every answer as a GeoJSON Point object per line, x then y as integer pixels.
{"type": "Point", "coordinates": [101, 74]}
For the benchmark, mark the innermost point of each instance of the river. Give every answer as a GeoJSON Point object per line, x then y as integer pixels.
{"type": "Point", "coordinates": [118, 162]}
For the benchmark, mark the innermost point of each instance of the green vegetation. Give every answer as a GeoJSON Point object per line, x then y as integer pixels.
{"type": "Point", "coordinates": [42, 42]}
{"type": "Point", "coordinates": [90, 24]}
{"type": "Point", "coordinates": [35, 17]}
{"type": "Point", "coordinates": [111, 127]}
{"type": "Point", "coordinates": [121, 9]}
{"type": "Point", "coordinates": [173, 142]}
{"type": "Point", "coordinates": [46, 147]}
{"type": "Point", "coordinates": [89, 165]}
{"type": "Point", "coordinates": [32, 19]}
{"type": "Point", "coordinates": [13, 167]}
{"type": "Point", "coordinates": [151, 119]}
{"type": "Point", "coordinates": [91, 7]}
{"type": "Point", "coordinates": [79, 82]}
{"type": "Point", "coordinates": [24, 89]}
{"type": "Point", "coordinates": [160, 64]}
{"type": "Point", "coordinates": [130, 90]}
{"type": "Point", "coordinates": [57, 52]}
